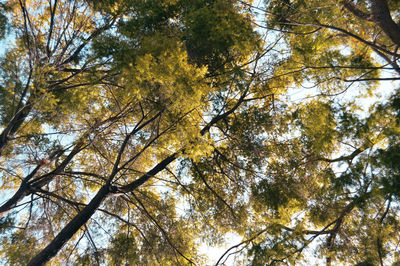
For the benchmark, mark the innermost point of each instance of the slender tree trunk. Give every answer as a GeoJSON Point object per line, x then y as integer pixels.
{"type": "Point", "coordinates": [381, 15]}
{"type": "Point", "coordinates": [84, 215]}
{"type": "Point", "coordinates": [14, 200]}
{"type": "Point", "coordinates": [14, 125]}
{"type": "Point", "coordinates": [71, 228]}
{"type": "Point", "coordinates": [23, 190]}
{"type": "Point", "coordinates": [26, 187]}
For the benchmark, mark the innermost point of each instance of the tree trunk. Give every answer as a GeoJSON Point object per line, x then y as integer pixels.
{"type": "Point", "coordinates": [71, 228]}
{"type": "Point", "coordinates": [84, 215]}
{"type": "Point", "coordinates": [381, 15]}
{"type": "Point", "coordinates": [26, 187]}
{"type": "Point", "coordinates": [14, 200]}
{"type": "Point", "coordinates": [14, 125]}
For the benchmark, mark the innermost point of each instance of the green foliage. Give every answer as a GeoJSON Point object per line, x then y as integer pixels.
{"type": "Point", "coordinates": [4, 26]}
{"type": "Point", "coordinates": [18, 248]}
{"type": "Point", "coordinates": [218, 35]}
{"type": "Point", "coordinates": [182, 113]}
{"type": "Point", "coordinates": [123, 250]}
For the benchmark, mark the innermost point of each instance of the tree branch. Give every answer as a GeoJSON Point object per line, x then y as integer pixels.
{"type": "Point", "coordinates": [356, 11]}
{"type": "Point", "coordinates": [381, 16]}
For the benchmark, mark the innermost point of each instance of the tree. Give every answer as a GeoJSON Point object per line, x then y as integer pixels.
{"type": "Point", "coordinates": [98, 98]}
{"type": "Point", "coordinates": [133, 129]}
{"type": "Point", "coordinates": [331, 186]}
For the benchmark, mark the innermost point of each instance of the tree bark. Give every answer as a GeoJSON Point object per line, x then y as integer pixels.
{"type": "Point", "coordinates": [29, 184]}
{"type": "Point", "coordinates": [71, 228]}
{"type": "Point", "coordinates": [381, 16]}
{"type": "Point", "coordinates": [158, 168]}
{"type": "Point", "coordinates": [84, 215]}
{"type": "Point", "coordinates": [14, 125]}
{"type": "Point", "coordinates": [22, 191]}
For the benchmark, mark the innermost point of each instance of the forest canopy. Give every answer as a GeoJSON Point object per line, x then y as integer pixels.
{"type": "Point", "coordinates": [136, 132]}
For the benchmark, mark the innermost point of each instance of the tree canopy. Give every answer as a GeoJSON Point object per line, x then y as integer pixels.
{"type": "Point", "coordinates": [131, 132]}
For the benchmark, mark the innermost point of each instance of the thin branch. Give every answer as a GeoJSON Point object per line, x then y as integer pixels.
{"type": "Point", "coordinates": [238, 245]}
{"type": "Point", "coordinates": [349, 157]}
{"type": "Point", "coordinates": [212, 190]}
{"type": "Point", "coordinates": [356, 11]}
{"type": "Point", "coordinates": [161, 229]}
{"type": "Point", "coordinates": [51, 28]}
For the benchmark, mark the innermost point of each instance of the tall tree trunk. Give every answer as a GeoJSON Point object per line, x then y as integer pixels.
{"type": "Point", "coordinates": [381, 15]}
{"type": "Point", "coordinates": [71, 228]}
{"type": "Point", "coordinates": [14, 125]}
{"type": "Point", "coordinates": [14, 200]}
{"type": "Point", "coordinates": [23, 190]}
{"type": "Point", "coordinates": [84, 215]}
{"type": "Point", "coordinates": [28, 185]}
